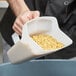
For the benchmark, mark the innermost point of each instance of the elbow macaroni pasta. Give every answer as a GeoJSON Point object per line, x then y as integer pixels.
{"type": "Point", "coordinates": [47, 42]}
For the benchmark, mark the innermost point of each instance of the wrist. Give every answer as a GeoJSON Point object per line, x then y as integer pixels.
{"type": "Point", "coordinates": [18, 6]}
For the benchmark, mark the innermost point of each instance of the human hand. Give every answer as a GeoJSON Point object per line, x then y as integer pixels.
{"type": "Point", "coordinates": [22, 19]}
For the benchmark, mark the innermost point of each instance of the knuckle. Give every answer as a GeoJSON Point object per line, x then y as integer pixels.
{"type": "Point", "coordinates": [21, 17]}
{"type": "Point", "coordinates": [13, 27]}
{"type": "Point", "coordinates": [17, 20]}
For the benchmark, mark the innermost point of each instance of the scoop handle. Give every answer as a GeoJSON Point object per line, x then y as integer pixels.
{"type": "Point", "coordinates": [15, 38]}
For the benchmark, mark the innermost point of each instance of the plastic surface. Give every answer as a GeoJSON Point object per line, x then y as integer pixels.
{"type": "Point", "coordinates": [40, 68]}
{"type": "Point", "coordinates": [26, 48]}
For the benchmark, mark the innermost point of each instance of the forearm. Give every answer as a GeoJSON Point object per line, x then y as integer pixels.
{"type": "Point", "coordinates": [18, 6]}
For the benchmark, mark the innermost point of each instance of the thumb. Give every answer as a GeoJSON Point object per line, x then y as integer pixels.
{"type": "Point", "coordinates": [36, 14]}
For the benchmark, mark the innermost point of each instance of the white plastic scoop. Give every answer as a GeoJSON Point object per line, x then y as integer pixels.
{"type": "Point", "coordinates": [26, 49]}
